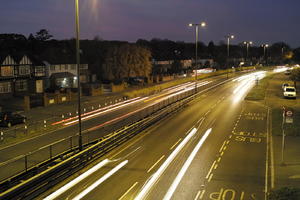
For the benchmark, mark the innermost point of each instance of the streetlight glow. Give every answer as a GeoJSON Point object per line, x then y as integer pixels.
{"type": "Point", "coordinates": [203, 24]}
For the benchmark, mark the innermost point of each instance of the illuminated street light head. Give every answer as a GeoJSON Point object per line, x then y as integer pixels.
{"type": "Point", "coordinates": [190, 24]}
{"type": "Point", "coordinates": [250, 42]}
{"type": "Point", "coordinates": [232, 36]}
{"type": "Point", "coordinates": [245, 42]}
{"type": "Point", "coordinates": [267, 45]}
{"type": "Point", "coordinates": [203, 24]}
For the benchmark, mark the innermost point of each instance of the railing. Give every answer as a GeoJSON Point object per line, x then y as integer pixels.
{"type": "Point", "coordinates": [68, 163]}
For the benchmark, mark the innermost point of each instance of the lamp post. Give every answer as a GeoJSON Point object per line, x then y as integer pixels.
{"type": "Point", "coordinates": [228, 41]}
{"type": "Point", "coordinates": [248, 43]}
{"type": "Point", "coordinates": [202, 24]}
{"type": "Point", "coordinates": [78, 72]}
{"type": "Point", "coordinates": [265, 46]}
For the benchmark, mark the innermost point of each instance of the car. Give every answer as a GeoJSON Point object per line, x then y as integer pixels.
{"type": "Point", "coordinates": [285, 85]}
{"type": "Point", "coordinates": [289, 92]}
{"type": "Point", "coordinates": [8, 119]}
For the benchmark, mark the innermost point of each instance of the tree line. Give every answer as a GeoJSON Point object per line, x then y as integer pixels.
{"type": "Point", "coordinates": [116, 60]}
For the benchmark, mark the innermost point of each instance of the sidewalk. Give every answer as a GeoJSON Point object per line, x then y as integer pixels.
{"type": "Point", "coordinates": [286, 173]}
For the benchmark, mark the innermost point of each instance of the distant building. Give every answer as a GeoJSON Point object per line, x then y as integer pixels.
{"type": "Point", "coordinates": [21, 74]}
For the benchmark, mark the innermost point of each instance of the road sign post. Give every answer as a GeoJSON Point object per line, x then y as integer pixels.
{"type": "Point", "coordinates": [287, 117]}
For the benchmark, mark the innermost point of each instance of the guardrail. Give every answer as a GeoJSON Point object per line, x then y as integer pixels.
{"type": "Point", "coordinates": [44, 180]}
{"type": "Point", "coordinates": [32, 187]}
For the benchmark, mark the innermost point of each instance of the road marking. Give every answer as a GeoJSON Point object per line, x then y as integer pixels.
{"type": "Point", "coordinates": [222, 153]}
{"type": "Point", "coordinates": [212, 166]}
{"type": "Point", "coordinates": [222, 146]}
{"type": "Point", "coordinates": [216, 166]}
{"type": "Point", "coordinates": [198, 194]}
{"type": "Point", "coordinates": [225, 148]}
{"type": "Point", "coordinates": [219, 159]}
{"type": "Point", "coordinates": [210, 177]}
{"type": "Point", "coordinates": [150, 182]}
{"type": "Point", "coordinates": [176, 143]}
{"type": "Point", "coordinates": [155, 163]}
{"type": "Point", "coordinates": [128, 190]}
{"type": "Point", "coordinates": [99, 181]}
{"type": "Point", "coordinates": [230, 136]}
{"type": "Point", "coordinates": [186, 165]}
{"type": "Point", "coordinates": [227, 142]}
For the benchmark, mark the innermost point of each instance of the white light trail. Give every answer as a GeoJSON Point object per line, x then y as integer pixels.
{"type": "Point", "coordinates": [163, 167]}
{"type": "Point", "coordinates": [101, 180]}
{"type": "Point", "coordinates": [76, 180]}
{"type": "Point", "coordinates": [186, 166]}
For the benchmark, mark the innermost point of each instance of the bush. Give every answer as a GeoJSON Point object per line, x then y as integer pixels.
{"type": "Point", "coordinates": [285, 193]}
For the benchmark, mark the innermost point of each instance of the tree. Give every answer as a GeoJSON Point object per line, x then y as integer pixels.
{"type": "Point", "coordinates": [43, 35]}
{"type": "Point", "coordinates": [295, 76]}
{"type": "Point", "coordinates": [126, 61]}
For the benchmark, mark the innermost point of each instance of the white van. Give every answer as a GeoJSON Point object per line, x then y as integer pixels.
{"type": "Point", "coordinates": [289, 92]}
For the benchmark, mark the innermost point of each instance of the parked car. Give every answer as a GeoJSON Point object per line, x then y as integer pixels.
{"type": "Point", "coordinates": [10, 118]}
{"type": "Point", "coordinates": [289, 92]}
{"type": "Point", "coordinates": [285, 85]}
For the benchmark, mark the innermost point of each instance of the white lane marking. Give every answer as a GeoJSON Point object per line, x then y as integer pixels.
{"type": "Point", "coordinates": [212, 166]}
{"type": "Point", "coordinates": [101, 180]}
{"type": "Point", "coordinates": [176, 143]}
{"type": "Point", "coordinates": [222, 146]}
{"type": "Point", "coordinates": [155, 163]}
{"type": "Point", "coordinates": [128, 190]}
{"type": "Point", "coordinates": [210, 177]}
{"type": "Point", "coordinates": [186, 165]}
{"type": "Point", "coordinates": [198, 194]}
{"type": "Point", "coordinates": [163, 167]}
{"type": "Point", "coordinates": [76, 180]}
{"type": "Point", "coordinates": [202, 193]}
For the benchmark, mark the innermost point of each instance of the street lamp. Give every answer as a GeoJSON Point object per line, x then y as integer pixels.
{"type": "Point", "coordinates": [265, 46]}
{"type": "Point", "coordinates": [202, 24]}
{"type": "Point", "coordinates": [228, 40]}
{"type": "Point", "coordinates": [78, 72]}
{"type": "Point", "coordinates": [247, 43]}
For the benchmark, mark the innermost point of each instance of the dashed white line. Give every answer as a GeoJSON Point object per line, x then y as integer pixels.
{"type": "Point", "coordinates": [128, 190]}
{"type": "Point", "coordinates": [155, 163]}
{"type": "Point", "coordinates": [210, 177]}
{"type": "Point", "coordinates": [176, 143]}
{"type": "Point", "coordinates": [212, 166]}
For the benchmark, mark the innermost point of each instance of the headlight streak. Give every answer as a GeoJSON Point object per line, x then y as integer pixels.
{"type": "Point", "coordinates": [101, 109]}
{"type": "Point", "coordinates": [163, 167]}
{"type": "Point", "coordinates": [102, 112]}
{"type": "Point", "coordinates": [72, 183]}
{"type": "Point", "coordinates": [186, 165]}
{"type": "Point", "coordinates": [99, 181]}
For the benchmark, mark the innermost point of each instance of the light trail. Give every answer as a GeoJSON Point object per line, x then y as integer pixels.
{"type": "Point", "coordinates": [163, 167]}
{"type": "Point", "coordinates": [102, 112]}
{"type": "Point", "coordinates": [98, 110]}
{"type": "Point", "coordinates": [72, 183]}
{"type": "Point", "coordinates": [101, 180]}
{"type": "Point", "coordinates": [186, 166]}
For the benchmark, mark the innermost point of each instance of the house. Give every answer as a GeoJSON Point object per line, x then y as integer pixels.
{"type": "Point", "coordinates": [20, 75]}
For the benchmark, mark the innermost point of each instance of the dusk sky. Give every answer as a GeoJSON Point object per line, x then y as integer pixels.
{"type": "Point", "coordinates": [262, 21]}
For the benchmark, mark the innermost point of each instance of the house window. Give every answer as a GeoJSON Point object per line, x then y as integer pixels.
{"type": "Point", "coordinates": [5, 87]}
{"type": "Point", "coordinates": [24, 70]}
{"type": "Point", "coordinates": [73, 67]}
{"type": "Point", "coordinates": [39, 71]}
{"type": "Point", "coordinates": [52, 68]}
{"type": "Point", "coordinates": [21, 85]}
{"type": "Point", "coordinates": [7, 71]}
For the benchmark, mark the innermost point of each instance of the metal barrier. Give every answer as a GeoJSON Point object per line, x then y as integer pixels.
{"type": "Point", "coordinates": [138, 122]}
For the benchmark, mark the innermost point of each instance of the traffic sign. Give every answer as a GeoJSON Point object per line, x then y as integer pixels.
{"type": "Point", "coordinates": [289, 113]}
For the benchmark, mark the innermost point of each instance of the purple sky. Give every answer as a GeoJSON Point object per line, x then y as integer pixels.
{"type": "Point", "coordinates": [262, 21]}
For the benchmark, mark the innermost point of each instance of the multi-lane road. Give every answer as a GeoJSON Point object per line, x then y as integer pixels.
{"type": "Point", "coordinates": [215, 148]}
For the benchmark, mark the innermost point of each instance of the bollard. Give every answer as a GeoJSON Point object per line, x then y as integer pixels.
{"type": "Point", "coordinates": [70, 113]}
{"type": "Point", "coordinates": [25, 129]}
{"type": "Point", "coordinates": [99, 105]}
{"type": "Point", "coordinates": [62, 116]}
{"type": "Point", "coordinates": [45, 124]}
{"type": "Point", "coordinates": [84, 110]}
{"type": "Point", "coordinates": [105, 104]}
{"type": "Point", "coordinates": [1, 136]}
{"type": "Point", "coordinates": [92, 107]}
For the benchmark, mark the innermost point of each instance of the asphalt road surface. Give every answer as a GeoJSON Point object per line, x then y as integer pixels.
{"type": "Point", "coordinates": [213, 149]}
